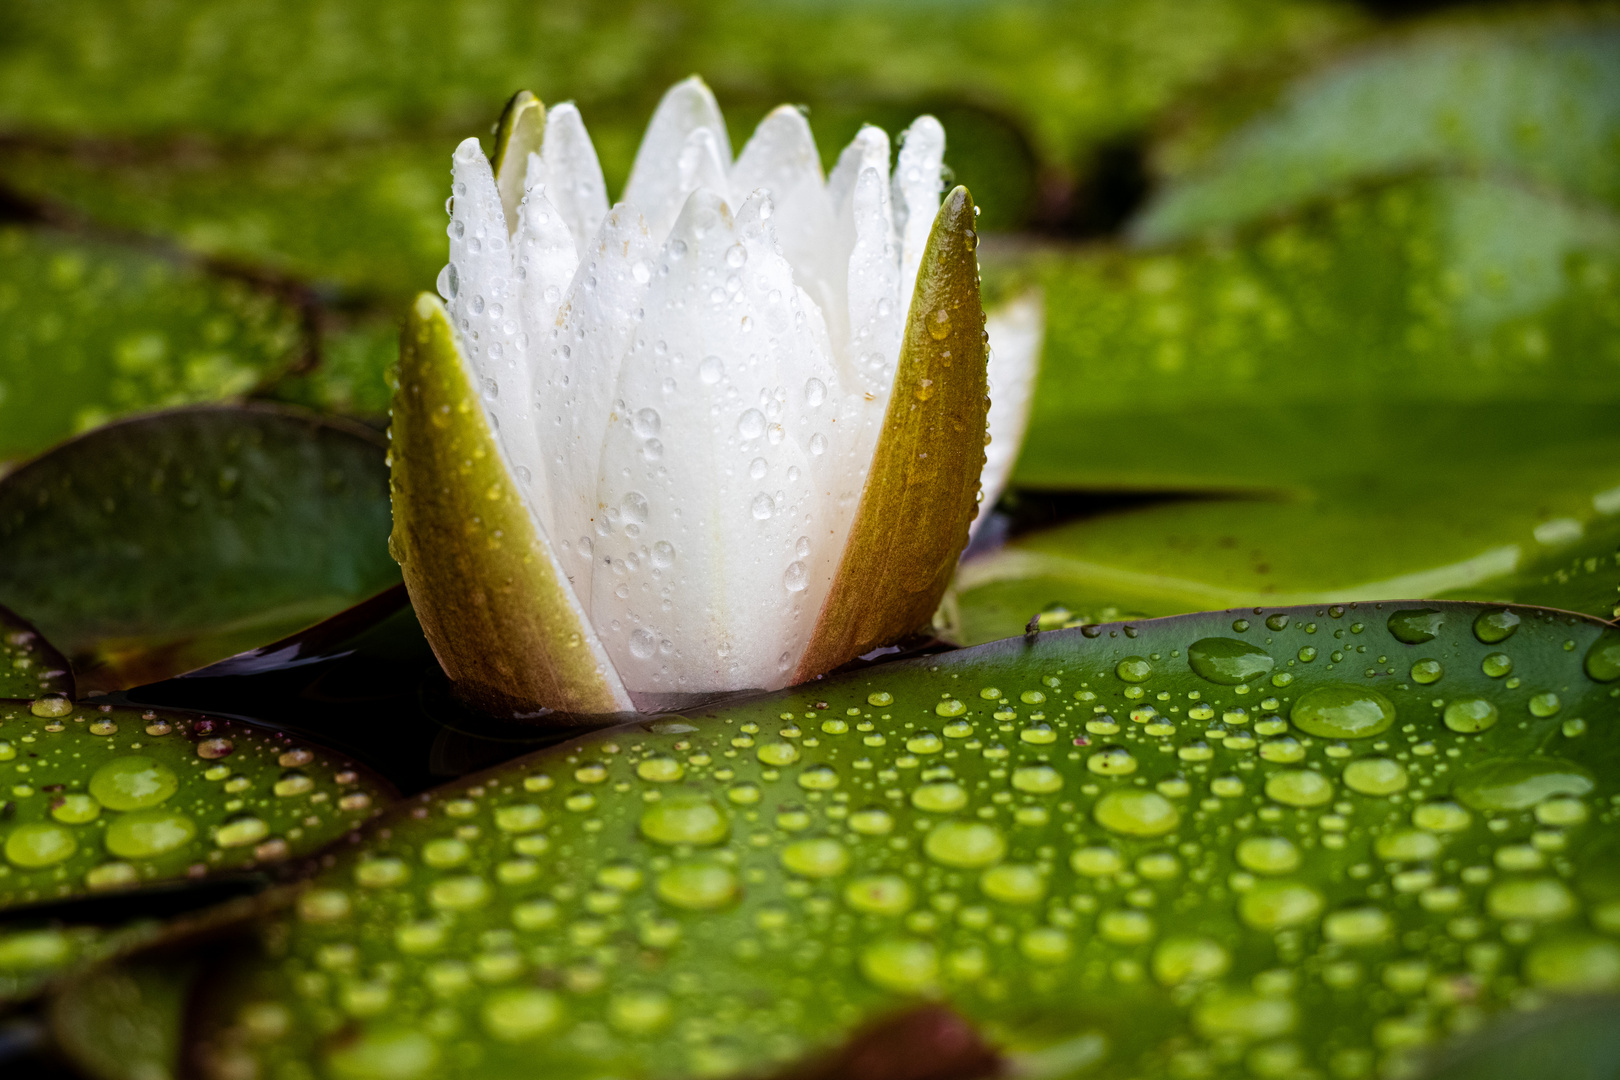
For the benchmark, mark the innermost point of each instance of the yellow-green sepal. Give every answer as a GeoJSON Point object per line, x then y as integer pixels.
{"type": "Point", "coordinates": [494, 603]}
{"type": "Point", "coordinates": [922, 491]}
{"type": "Point", "coordinates": [519, 133]}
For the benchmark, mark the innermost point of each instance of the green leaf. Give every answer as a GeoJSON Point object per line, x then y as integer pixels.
{"type": "Point", "coordinates": [29, 666]}
{"type": "Point", "coordinates": [1389, 331]}
{"type": "Point", "coordinates": [91, 330]}
{"type": "Point", "coordinates": [1493, 526]}
{"type": "Point", "coordinates": [161, 544]}
{"type": "Point", "coordinates": [1164, 848]}
{"type": "Point", "coordinates": [33, 956]}
{"type": "Point", "coordinates": [354, 373]}
{"type": "Point", "coordinates": [123, 1022]}
{"type": "Point", "coordinates": [1538, 97]}
{"type": "Point", "coordinates": [105, 799]}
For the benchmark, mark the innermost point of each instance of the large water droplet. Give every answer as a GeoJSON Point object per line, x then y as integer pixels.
{"type": "Point", "coordinates": [133, 783]}
{"type": "Point", "coordinates": [1228, 661]}
{"type": "Point", "coordinates": [817, 858]}
{"type": "Point", "coordinates": [697, 886]}
{"type": "Point", "coordinates": [685, 819]}
{"type": "Point", "coordinates": [966, 845]}
{"type": "Point", "coordinates": [751, 424]}
{"type": "Point", "coordinates": [142, 834]}
{"type": "Point", "coordinates": [1133, 812]}
{"type": "Point", "coordinates": [1342, 712]}
{"type": "Point", "coordinates": [1414, 626]}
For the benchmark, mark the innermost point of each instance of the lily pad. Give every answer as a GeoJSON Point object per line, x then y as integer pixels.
{"type": "Point", "coordinates": [1503, 525]}
{"type": "Point", "coordinates": [122, 1022]}
{"type": "Point", "coordinates": [1382, 333]}
{"type": "Point", "coordinates": [29, 666]}
{"type": "Point", "coordinates": [91, 330]}
{"type": "Point", "coordinates": [1537, 97]}
{"type": "Point", "coordinates": [164, 543]}
{"type": "Point", "coordinates": [31, 956]}
{"type": "Point", "coordinates": [105, 799]}
{"type": "Point", "coordinates": [1097, 855]}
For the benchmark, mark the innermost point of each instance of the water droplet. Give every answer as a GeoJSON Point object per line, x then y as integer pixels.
{"type": "Point", "coordinates": [1299, 787]}
{"type": "Point", "coordinates": [763, 507]}
{"type": "Point", "coordinates": [777, 754]}
{"type": "Point", "coordinates": [795, 578]}
{"type": "Point", "coordinates": [873, 821]}
{"type": "Point", "coordinates": [1268, 855]}
{"type": "Point", "coordinates": [939, 324]}
{"type": "Point", "coordinates": [142, 834]}
{"type": "Point", "coordinates": [1133, 669]}
{"type": "Point", "coordinates": [751, 424]}
{"type": "Point", "coordinates": [1492, 627]}
{"type": "Point", "coordinates": [133, 783]}
{"type": "Point", "coordinates": [1358, 926]}
{"type": "Point", "coordinates": [1520, 783]}
{"type": "Point", "coordinates": [1427, 672]}
{"type": "Point", "coordinates": [879, 894]}
{"type": "Point", "coordinates": [1535, 900]}
{"type": "Point", "coordinates": [1577, 964]}
{"type": "Point", "coordinates": [1096, 861]}
{"type": "Point", "coordinates": [519, 818]}
{"type": "Point", "coordinates": [1277, 905]}
{"type": "Point", "coordinates": [697, 886]}
{"type": "Point", "coordinates": [1136, 813]}
{"type": "Point", "coordinates": [1013, 883]}
{"type": "Point", "coordinates": [965, 845]}
{"type": "Point", "coordinates": [1342, 712]}
{"type": "Point", "coordinates": [643, 643]}
{"type": "Point", "coordinates": [901, 964]}
{"type": "Point", "coordinates": [1227, 661]}
{"type": "Point", "coordinates": [1442, 815]}
{"type": "Point", "coordinates": [1037, 779]}
{"type": "Point", "coordinates": [1602, 663]}
{"type": "Point", "coordinates": [819, 778]}
{"type": "Point", "coordinates": [39, 844]}
{"type": "Point", "coordinates": [685, 819]}
{"type": "Point", "coordinates": [1470, 715]}
{"type": "Point", "coordinates": [1414, 626]}
{"type": "Point", "coordinates": [1407, 845]}
{"type": "Point", "coordinates": [75, 809]}
{"type": "Point", "coordinates": [1375, 776]}
{"type": "Point", "coordinates": [939, 798]}
{"type": "Point", "coordinates": [1180, 960]}
{"type": "Point", "coordinates": [816, 858]}
{"type": "Point", "coordinates": [521, 1014]}
{"type": "Point", "coordinates": [241, 831]}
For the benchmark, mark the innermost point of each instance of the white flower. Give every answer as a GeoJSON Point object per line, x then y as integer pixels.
{"type": "Point", "coordinates": [688, 389]}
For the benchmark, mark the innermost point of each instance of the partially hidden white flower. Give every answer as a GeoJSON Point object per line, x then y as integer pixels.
{"type": "Point", "coordinates": [687, 389]}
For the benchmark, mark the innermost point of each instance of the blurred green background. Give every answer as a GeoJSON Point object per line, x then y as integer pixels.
{"type": "Point", "coordinates": [1332, 291]}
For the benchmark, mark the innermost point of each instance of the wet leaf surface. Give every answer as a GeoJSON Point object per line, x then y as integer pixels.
{"type": "Point", "coordinates": [1537, 97]}
{"type": "Point", "coordinates": [103, 799]}
{"type": "Point", "coordinates": [1320, 838]}
{"type": "Point", "coordinates": [1389, 331]}
{"type": "Point", "coordinates": [29, 666]}
{"type": "Point", "coordinates": [162, 544]}
{"type": "Point", "coordinates": [125, 330]}
{"type": "Point", "coordinates": [32, 956]}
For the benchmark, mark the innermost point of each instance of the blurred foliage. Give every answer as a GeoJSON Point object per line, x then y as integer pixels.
{"type": "Point", "coordinates": [91, 329]}
{"type": "Point", "coordinates": [1537, 99]}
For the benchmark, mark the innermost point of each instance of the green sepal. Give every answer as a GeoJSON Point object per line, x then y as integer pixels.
{"type": "Point", "coordinates": [492, 599]}
{"type": "Point", "coordinates": [922, 489]}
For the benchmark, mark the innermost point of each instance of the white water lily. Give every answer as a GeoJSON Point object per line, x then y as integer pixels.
{"type": "Point", "coordinates": [688, 390]}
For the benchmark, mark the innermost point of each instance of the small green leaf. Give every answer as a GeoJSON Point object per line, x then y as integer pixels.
{"type": "Point", "coordinates": [161, 544]}
{"type": "Point", "coordinates": [1093, 852]}
{"type": "Point", "coordinates": [1381, 333]}
{"type": "Point", "coordinates": [492, 599]}
{"type": "Point", "coordinates": [1538, 97]}
{"type": "Point", "coordinates": [91, 330]}
{"type": "Point", "coordinates": [108, 799]}
{"type": "Point", "coordinates": [921, 490]}
{"type": "Point", "coordinates": [29, 666]}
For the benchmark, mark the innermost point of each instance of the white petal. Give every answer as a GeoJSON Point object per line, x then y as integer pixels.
{"type": "Point", "coordinates": [698, 584]}
{"type": "Point", "coordinates": [917, 184]}
{"type": "Point", "coordinates": [781, 158]}
{"type": "Point", "coordinates": [655, 183]}
{"type": "Point", "coordinates": [700, 166]}
{"type": "Point", "coordinates": [485, 302]}
{"type": "Point", "coordinates": [876, 313]}
{"type": "Point", "coordinates": [581, 348]}
{"type": "Point", "coordinates": [573, 176]}
{"type": "Point", "coordinates": [868, 150]}
{"type": "Point", "coordinates": [1016, 331]}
